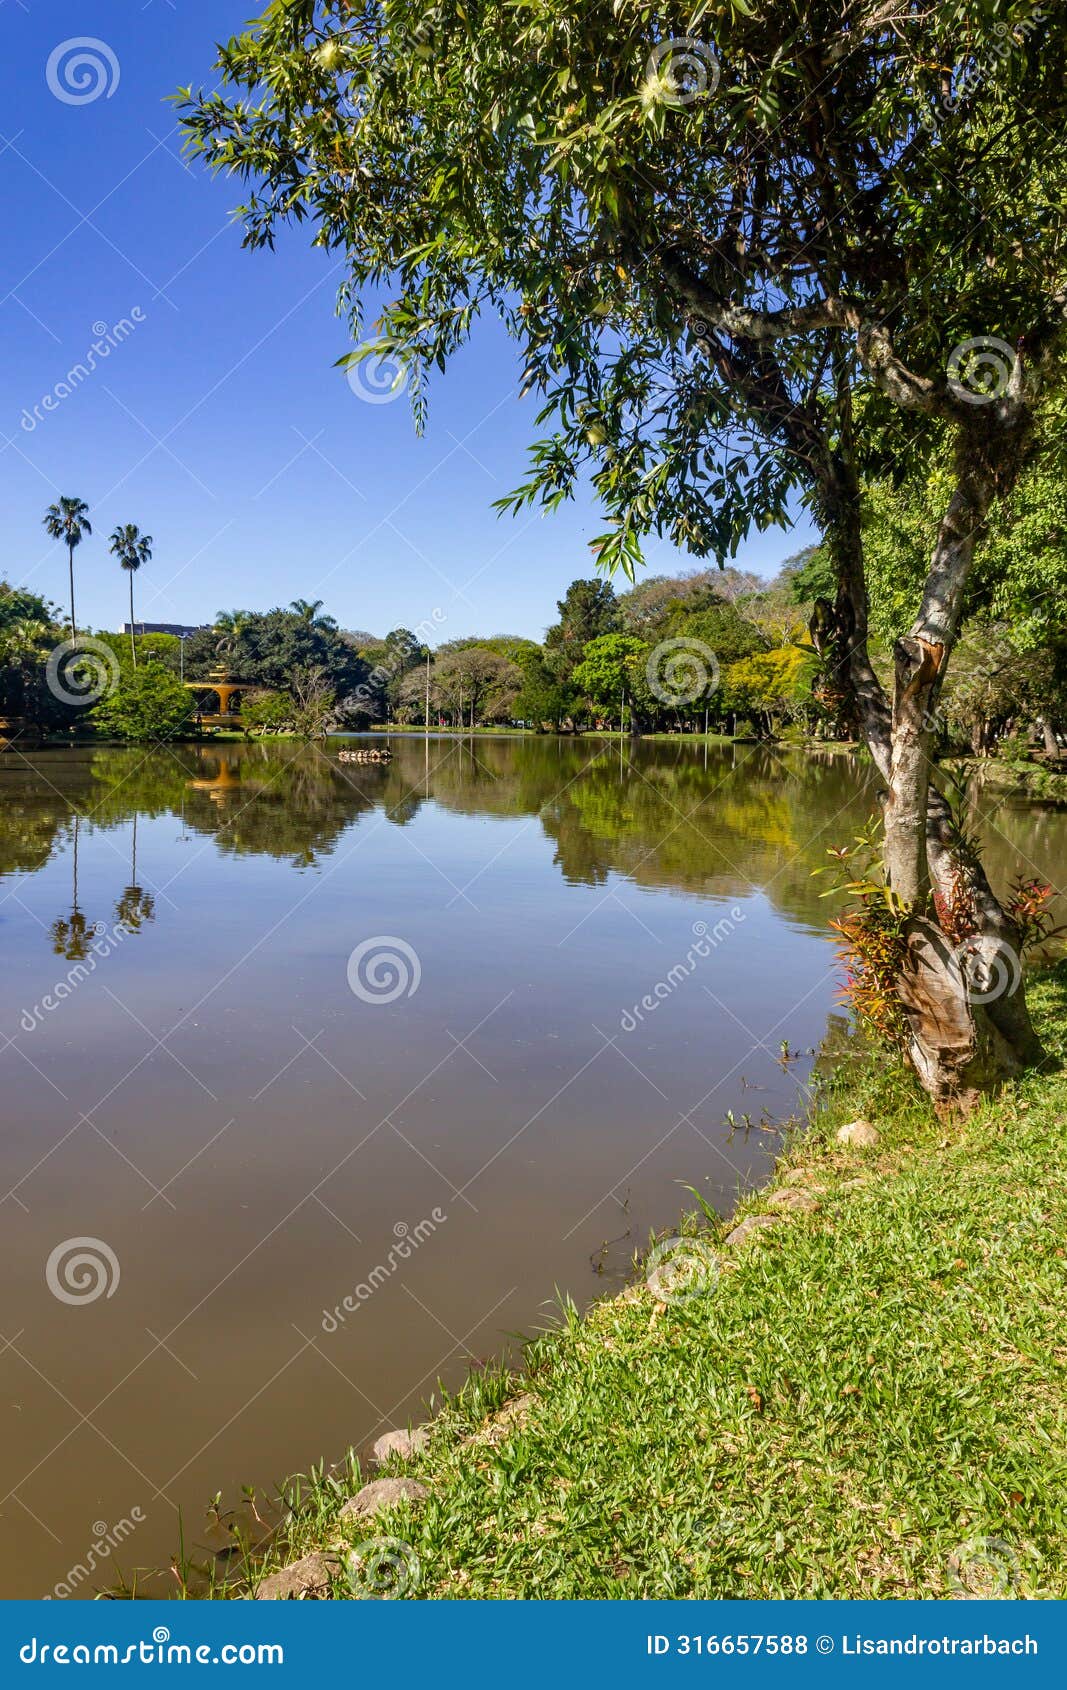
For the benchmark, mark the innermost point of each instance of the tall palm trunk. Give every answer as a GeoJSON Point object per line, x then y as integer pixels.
{"type": "Point", "coordinates": [133, 632]}
{"type": "Point", "coordinates": [73, 623]}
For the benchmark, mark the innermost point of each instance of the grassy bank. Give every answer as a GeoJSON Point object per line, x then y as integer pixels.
{"type": "Point", "coordinates": [1022, 778]}
{"type": "Point", "coordinates": [868, 1399]}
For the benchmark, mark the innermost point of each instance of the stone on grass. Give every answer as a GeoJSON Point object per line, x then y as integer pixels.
{"type": "Point", "coordinates": [858, 1133]}
{"type": "Point", "coordinates": [749, 1229]}
{"type": "Point", "coordinates": [404, 1444]}
{"type": "Point", "coordinates": [382, 1493]}
{"type": "Point", "coordinates": [308, 1578]}
{"type": "Point", "coordinates": [790, 1198]}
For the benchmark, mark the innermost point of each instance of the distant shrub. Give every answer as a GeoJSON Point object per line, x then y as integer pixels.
{"type": "Point", "coordinates": [148, 703]}
{"type": "Point", "coordinates": [267, 712]}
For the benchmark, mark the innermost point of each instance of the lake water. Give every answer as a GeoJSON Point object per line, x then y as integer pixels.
{"type": "Point", "coordinates": [227, 1111]}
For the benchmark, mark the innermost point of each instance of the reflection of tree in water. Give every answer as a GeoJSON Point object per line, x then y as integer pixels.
{"type": "Point", "coordinates": [292, 802]}
{"type": "Point", "coordinates": [744, 823]}
{"type": "Point", "coordinates": [72, 935]}
{"type": "Point", "coordinates": [136, 906]}
{"type": "Point", "coordinates": [716, 820]}
{"type": "Point", "coordinates": [662, 814]}
{"type": "Point", "coordinates": [286, 800]}
{"type": "Point", "coordinates": [28, 834]}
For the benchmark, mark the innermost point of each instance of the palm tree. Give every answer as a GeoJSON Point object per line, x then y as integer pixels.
{"type": "Point", "coordinates": [228, 624]}
{"type": "Point", "coordinates": [232, 621]}
{"type": "Point", "coordinates": [68, 520]}
{"type": "Point", "coordinates": [308, 611]}
{"type": "Point", "coordinates": [132, 548]}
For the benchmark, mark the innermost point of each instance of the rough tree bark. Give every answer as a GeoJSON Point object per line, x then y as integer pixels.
{"type": "Point", "coordinates": [961, 987]}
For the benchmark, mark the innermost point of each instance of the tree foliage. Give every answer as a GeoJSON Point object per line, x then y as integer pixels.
{"type": "Point", "coordinates": [269, 648]}
{"type": "Point", "coordinates": [148, 704]}
{"type": "Point", "coordinates": [623, 208]}
{"type": "Point", "coordinates": [1019, 576]}
{"type": "Point", "coordinates": [609, 672]}
{"type": "Point", "coordinates": [587, 610]}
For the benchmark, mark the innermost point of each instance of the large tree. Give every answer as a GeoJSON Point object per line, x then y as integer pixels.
{"type": "Point", "coordinates": [29, 630]}
{"type": "Point", "coordinates": [749, 255]}
{"type": "Point", "coordinates": [68, 520]}
{"type": "Point", "coordinates": [469, 682]}
{"type": "Point", "coordinates": [275, 648]}
{"type": "Point", "coordinates": [587, 610]}
{"type": "Point", "coordinates": [133, 549]}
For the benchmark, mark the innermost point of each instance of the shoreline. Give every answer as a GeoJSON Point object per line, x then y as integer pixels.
{"type": "Point", "coordinates": [840, 1400]}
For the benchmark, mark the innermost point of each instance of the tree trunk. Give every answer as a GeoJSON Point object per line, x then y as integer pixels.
{"type": "Point", "coordinates": [133, 632]}
{"type": "Point", "coordinates": [73, 622]}
{"type": "Point", "coordinates": [967, 1015]}
{"type": "Point", "coordinates": [961, 987]}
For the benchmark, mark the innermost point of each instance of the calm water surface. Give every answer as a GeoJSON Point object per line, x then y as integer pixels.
{"type": "Point", "coordinates": [244, 1138]}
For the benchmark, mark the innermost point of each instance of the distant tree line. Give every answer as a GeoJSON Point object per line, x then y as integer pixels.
{"type": "Point", "coordinates": [706, 650]}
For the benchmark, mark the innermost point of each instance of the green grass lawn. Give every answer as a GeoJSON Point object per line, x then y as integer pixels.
{"type": "Point", "coordinates": [867, 1401]}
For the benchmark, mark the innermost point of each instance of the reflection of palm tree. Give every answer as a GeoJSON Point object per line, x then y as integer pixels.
{"type": "Point", "coordinates": [68, 520]}
{"type": "Point", "coordinates": [136, 906]}
{"type": "Point", "coordinates": [72, 936]}
{"type": "Point", "coordinates": [132, 548]}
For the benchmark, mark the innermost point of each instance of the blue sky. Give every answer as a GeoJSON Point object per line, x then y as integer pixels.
{"type": "Point", "coordinates": [218, 422]}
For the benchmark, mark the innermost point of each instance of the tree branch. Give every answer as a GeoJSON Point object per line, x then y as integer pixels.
{"type": "Point", "coordinates": [874, 345]}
